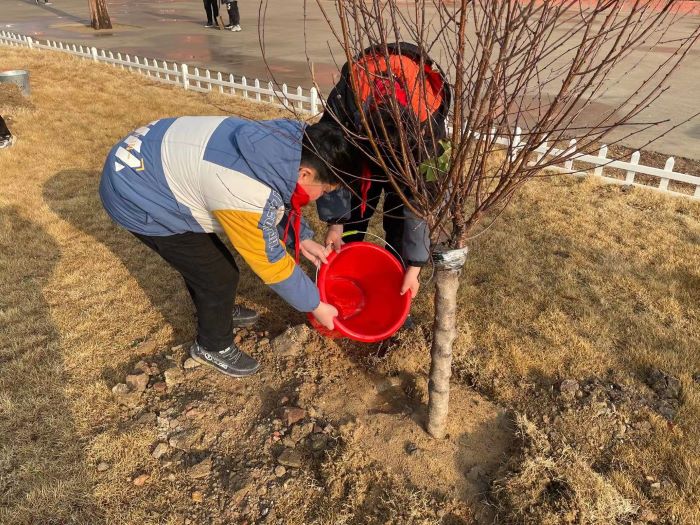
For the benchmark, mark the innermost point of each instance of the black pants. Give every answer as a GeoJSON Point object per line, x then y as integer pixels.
{"type": "Point", "coordinates": [4, 131]}
{"type": "Point", "coordinates": [392, 219]}
{"type": "Point", "coordinates": [212, 9]}
{"type": "Point", "coordinates": [234, 17]}
{"type": "Point", "coordinates": [211, 276]}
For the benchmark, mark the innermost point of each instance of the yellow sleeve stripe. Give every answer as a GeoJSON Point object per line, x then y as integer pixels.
{"type": "Point", "coordinates": [248, 240]}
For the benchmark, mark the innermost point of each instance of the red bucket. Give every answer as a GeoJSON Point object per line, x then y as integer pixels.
{"type": "Point", "coordinates": [363, 282]}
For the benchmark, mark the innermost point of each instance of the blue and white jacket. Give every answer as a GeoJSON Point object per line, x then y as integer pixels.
{"type": "Point", "coordinates": [214, 174]}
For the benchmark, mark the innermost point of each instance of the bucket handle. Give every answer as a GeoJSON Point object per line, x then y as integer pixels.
{"type": "Point", "coordinates": [353, 232]}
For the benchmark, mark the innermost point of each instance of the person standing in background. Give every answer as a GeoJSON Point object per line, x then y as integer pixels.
{"type": "Point", "coordinates": [234, 17]}
{"type": "Point", "coordinates": [212, 9]}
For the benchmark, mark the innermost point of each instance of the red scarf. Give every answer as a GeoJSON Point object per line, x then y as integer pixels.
{"type": "Point", "coordinates": [365, 183]}
{"type": "Point", "coordinates": [299, 198]}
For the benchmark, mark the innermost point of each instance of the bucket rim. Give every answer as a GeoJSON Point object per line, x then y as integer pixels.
{"type": "Point", "coordinates": [339, 325]}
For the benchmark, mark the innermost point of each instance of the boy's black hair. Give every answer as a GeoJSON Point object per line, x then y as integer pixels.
{"type": "Point", "coordinates": [326, 149]}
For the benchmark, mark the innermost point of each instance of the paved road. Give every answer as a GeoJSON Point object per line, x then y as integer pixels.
{"type": "Point", "coordinates": [173, 30]}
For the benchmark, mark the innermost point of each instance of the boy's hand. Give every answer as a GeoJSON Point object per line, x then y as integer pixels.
{"type": "Point", "coordinates": [334, 236]}
{"type": "Point", "coordinates": [410, 281]}
{"type": "Point", "coordinates": [314, 252]}
{"type": "Point", "coordinates": [325, 314]}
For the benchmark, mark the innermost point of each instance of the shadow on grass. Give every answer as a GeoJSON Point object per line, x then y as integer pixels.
{"type": "Point", "coordinates": [43, 476]}
{"type": "Point", "coordinates": [73, 195]}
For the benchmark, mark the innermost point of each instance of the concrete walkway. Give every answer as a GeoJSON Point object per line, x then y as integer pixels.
{"type": "Point", "coordinates": [173, 30]}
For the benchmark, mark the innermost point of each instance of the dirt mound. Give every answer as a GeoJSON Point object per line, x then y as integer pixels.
{"type": "Point", "coordinates": [319, 436]}
{"type": "Point", "coordinates": [549, 486]}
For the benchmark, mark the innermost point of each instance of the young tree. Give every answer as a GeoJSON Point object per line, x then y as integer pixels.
{"type": "Point", "coordinates": [99, 17]}
{"type": "Point", "coordinates": [535, 65]}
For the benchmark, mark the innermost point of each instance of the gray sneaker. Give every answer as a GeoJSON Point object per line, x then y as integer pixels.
{"type": "Point", "coordinates": [243, 317]}
{"type": "Point", "coordinates": [232, 361]}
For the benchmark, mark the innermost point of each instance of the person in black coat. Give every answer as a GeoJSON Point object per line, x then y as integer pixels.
{"type": "Point", "coordinates": [377, 79]}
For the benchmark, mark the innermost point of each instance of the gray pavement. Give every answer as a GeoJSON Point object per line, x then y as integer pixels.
{"type": "Point", "coordinates": [173, 30]}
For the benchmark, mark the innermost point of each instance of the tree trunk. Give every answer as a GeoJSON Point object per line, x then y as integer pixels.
{"type": "Point", "coordinates": [98, 15]}
{"type": "Point", "coordinates": [444, 334]}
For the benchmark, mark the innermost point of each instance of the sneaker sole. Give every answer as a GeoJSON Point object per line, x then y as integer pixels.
{"type": "Point", "coordinates": [245, 323]}
{"type": "Point", "coordinates": [204, 362]}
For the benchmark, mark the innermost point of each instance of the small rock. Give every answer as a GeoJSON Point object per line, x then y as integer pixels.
{"type": "Point", "coordinates": [318, 442]}
{"type": "Point", "coordinates": [194, 413]}
{"type": "Point", "coordinates": [185, 440]}
{"type": "Point", "coordinates": [299, 432]}
{"type": "Point", "coordinates": [160, 387]}
{"type": "Point", "coordinates": [137, 382]}
{"type": "Point", "coordinates": [160, 450]}
{"type": "Point", "coordinates": [656, 485]}
{"type": "Point", "coordinates": [411, 448]}
{"type": "Point", "coordinates": [280, 471]}
{"type": "Point", "coordinates": [141, 480]}
{"type": "Point", "coordinates": [291, 415]}
{"type": "Point", "coordinates": [569, 387]}
{"type": "Point", "coordinates": [291, 341]}
{"type": "Point", "coordinates": [142, 366]}
{"type": "Point", "coordinates": [102, 466]}
{"type": "Point", "coordinates": [666, 386]}
{"type": "Point", "coordinates": [147, 418]}
{"type": "Point", "coordinates": [125, 397]}
{"type": "Point", "coordinates": [264, 341]}
{"type": "Point", "coordinates": [210, 438]}
{"type": "Point", "coordinates": [173, 376]}
{"type": "Point", "coordinates": [120, 389]}
{"type": "Point", "coordinates": [290, 458]}
{"type": "Point", "coordinates": [191, 363]}
{"type": "Point", "coordinates": [668, 408]}
{"type": "Point", "coordinates": [201, 469]}
{"type": "Point", "coordinates": [198, 496]}
{"type": "Point", "coordinates": [696, 378]}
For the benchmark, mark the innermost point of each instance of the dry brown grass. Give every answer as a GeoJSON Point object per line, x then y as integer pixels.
{"type": "Point", "coordinates": [575, 280]}
{"type": "Point", "coordinates": [581, 280]}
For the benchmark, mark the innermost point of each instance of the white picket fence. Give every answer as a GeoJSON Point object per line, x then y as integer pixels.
{"type": "Point", "coordinates": [582, 163]}
{"type": "Point", "coordinates": [180, 75]}
{"type": "Point", "coordinates": [299, 99]}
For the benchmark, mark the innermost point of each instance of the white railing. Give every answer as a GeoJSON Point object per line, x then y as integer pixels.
{"type": "Point", "coordinates": [304, 101]}
{"type": "Point", "coordinates": [281, 96]}
{"type": "Point", "coordinates": [582, 163]}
